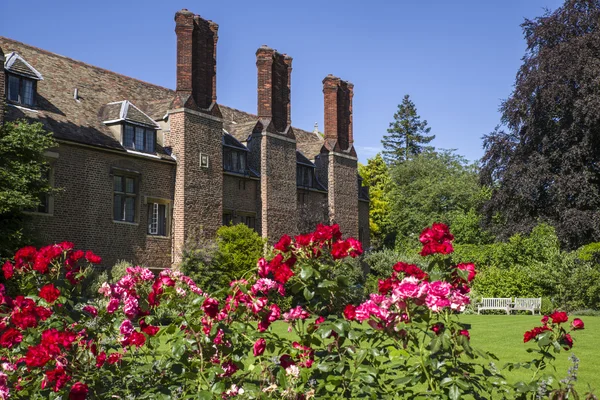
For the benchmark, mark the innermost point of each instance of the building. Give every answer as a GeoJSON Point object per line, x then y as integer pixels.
{"type": "Point", "coordinates": [143, 168]}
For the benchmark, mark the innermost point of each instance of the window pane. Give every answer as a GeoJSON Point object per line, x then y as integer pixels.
{"type": "Point", "coordinates": [139, 138]}
{"type": "Point", "coordinates": [118, 208]}
{"type": "Point", "coordinates": [242, 162]}
{"type": "Point", "coordinates": [234, 160]}
{"type": "Point", "coordinates": [150, 135]}
{"type": "Point", "coordinates": [227, 159]}
{"type": "Point", "coordinates": [118, 183]}
{"type": "Point", "coordinates": [128, 136]}
{"type": "Point", "coordinates": [162, 220]}
{"type": "Point", "coordinates": [153, 218]}
{"type": "Point", "coordinates": [130, 209]}
{"type": "Point", "coordinates": [27, 91]}
{"type": "Point", "coordinates": [130, 185]}
{"type": "Point", "coordinates": [13, 88]}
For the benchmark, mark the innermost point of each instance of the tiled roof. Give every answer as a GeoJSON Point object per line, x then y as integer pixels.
{"type": "Point", "coordinates": [81, 120]}
{"type": "Point", "coordinates": [16, 64]}
{"type": "Point", "coordinates": [231, 141]}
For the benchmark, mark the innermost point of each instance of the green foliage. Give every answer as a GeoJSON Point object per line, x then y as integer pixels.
{"type": "Point", "coordinates": [407, 134]}
{"type": "Point", "coordinates": [213, 265]}
{"type": "Point", "coordinates": [376, 176]}
{"type": "Point", "coordinates": [590, 253]}
{"type": "Point", "coordinates": [22, 179]}
{"type": "Point", "coordinates": [436, 187]}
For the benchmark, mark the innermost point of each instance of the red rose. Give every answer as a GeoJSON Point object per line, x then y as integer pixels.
{"type": "Point", "coordinates": [468, 267]}
{"type": "Point", "coordinates": [92, 258]}
{"type": "Point", "coordinates": [577, 324]}
{"type": "Point", "coordinates": [465, 332]}
{"type": "Point", "coordinates": [385, 285]}
{"type": "Point", "coordinates": [284, 244]}
{"type": "Point", "coordinates": [286, 361]}
{"type": "Point", "coordinates": [350, 312]}
{"type": "Point", "coordinates": [259, 347]}
{"type": "Point", "coordinates": [340, 249]}
{"type": "Point", "coordinates": [282, 274]}
{"type": "Point", "coordinates": [93, 311]}
{"type": "Point", "coordinates": [57, 375]}
{"type": "Point", "coordinates": [100, 359]}
{"type": "Point", "coordinates": [559, 317]}
{"type": "Point", "coordinates": [438, 328]}
{"type": "Point", "coordinates": [114, 358]}
{"type": "Point", "coordinates": [545, 319]}
{"type": "Point", "coordinates": [566, 341]}
{"type": "Point", "coordinates": [79, 391]}
{"type": "Point", "coordinates": [532, 334]}
{"type": "Point", "coordinates": [49, 293]}
{"type": "Point", "coordinates": [8, 270]}
{"type": "Point", "coordinates": [148, 329]}
{"type": "Point", "coordinates": [10, 338]}
{"type": "Point", "coordinates": [211, 307]}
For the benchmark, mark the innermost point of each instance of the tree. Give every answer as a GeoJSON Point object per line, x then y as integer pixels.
{"type": "Point", "coordinates": [407, 134]}
{"type": "Point", "coordinates": [23, 169]}
{"type": "Point", "coordinates": [436, 187]}
{"type": "Point", "coordinates": [376, 176]}
{"type": "Point", "coordinates": [545, 165]}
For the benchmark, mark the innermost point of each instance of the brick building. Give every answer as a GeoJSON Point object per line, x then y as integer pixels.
{"type": "Point", "coordinates": [144, 168]}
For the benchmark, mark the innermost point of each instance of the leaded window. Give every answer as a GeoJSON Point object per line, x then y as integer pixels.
{"type": "Point", "coordinates": [157, 219]}
{"type": "Point", "coordinates": [139, 138]}
{"type": "Point", "coordinates": [125, 196]}
{"type": "Point", "coordinates": [234, 160]}
{"type": "Point", "coordinates": [21, 90]}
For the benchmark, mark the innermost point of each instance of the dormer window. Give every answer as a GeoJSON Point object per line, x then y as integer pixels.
{"type": "Point", "coordinates": [139, 138]}
{"type": "Point", "coordinates": [21, 80]}
{"type": "Point", "coordinates": [21, 90]}
{"type": "Point", "coordinates": [234, 160]}
{"type": "Point", "coordinates": [304, 176]}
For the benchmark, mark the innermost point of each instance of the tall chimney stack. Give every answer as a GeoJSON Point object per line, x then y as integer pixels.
{"type": "Point", "coordinates": [338, 96]}
{"type": "Point", "coordinates": [196, 59]}
{"type": "Point", "coordinates": [274, 87]}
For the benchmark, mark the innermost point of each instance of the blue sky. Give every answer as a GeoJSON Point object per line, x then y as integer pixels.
{"type": "Point", "coordinates": [456, 59]}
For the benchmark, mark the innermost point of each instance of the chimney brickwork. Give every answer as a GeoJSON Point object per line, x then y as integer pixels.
{"type": "Point", "coordinates": [2, 88]}
{"type": "Point", "coordinates": [337, 164]}
{"type": "Point", "coordinates": [273, 145]}
{"type": "Point", "coordinates": [195, 132]}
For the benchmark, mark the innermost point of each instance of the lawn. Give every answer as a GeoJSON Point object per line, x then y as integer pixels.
{"type": "Point", "coordinates": [503, 336]}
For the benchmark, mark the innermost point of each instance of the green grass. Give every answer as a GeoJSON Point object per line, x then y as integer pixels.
{"type": "Point", "coordinates": [502, 335]}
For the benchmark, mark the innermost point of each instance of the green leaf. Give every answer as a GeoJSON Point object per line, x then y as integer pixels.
{"type": "Point", "coordinates": [454, 392]}
{"type": "Point", "coordinates": [306, 272]}
{"type": "Point", "coordinates": [205, 395]}
{"type": "Point", "coordinates": [308, 295]}
{"type": "Point", "coordinates": [326, 284]}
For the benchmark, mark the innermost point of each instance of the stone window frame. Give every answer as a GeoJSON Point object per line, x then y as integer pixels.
{"type": "Point", "coordinates": [146, 131]}
{"type": "Point", "coordinates": [124, 173]}
{"type": "Point", "coordinates": [21, 79]}
{"type": "Point", "coordinates": [150, 202]}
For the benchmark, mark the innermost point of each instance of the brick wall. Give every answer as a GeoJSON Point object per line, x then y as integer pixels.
{"type": "Point", "coordinates": [2, 88]}
{"type": "Point", "coordinates": [198, 199]}
{"type": "Point", "coordinates": [312, 209]}
{"type": "Point", "coordinates": [363, 223]}
{"type": "Point", "coordinates": [83, 208]}
{"type": "Point", "coordinates": [343, 193]}
{"type": "Point", "coordinates": [240, 194]}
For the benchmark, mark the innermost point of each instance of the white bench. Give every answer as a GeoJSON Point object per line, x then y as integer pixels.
{"type": "Point", "coordinates": [492, 303]}
{"type": "Point", "coordinates": [527, 304]}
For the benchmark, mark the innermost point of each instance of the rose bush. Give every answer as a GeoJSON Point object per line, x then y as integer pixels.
{"type": "Point", "coordinates": [404, 341]}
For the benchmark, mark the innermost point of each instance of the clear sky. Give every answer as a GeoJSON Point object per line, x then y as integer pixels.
{"type": "Point", "coordinates": [457, 59]}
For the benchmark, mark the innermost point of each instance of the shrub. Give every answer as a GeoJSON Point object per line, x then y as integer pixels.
{"type": "Point", "coordinates": [213, 264]}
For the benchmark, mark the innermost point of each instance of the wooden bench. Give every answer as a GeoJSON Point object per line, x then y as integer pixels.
{"type": "Point", "coordinates": [492, 303]}
{"type": "Point", "coordinates": [527, 304]}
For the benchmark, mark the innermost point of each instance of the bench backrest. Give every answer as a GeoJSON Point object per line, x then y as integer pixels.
{"type": "Point", "coordinates": [501, 302]}
{"type": "Point", "coordinates": [528, 303]}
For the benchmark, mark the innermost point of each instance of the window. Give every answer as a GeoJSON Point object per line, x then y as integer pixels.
{"type": "Point", "coordinates": [125, 196]}
{"type": "Point", "coordinates": [249, 221]}
{"type": "Point", "coordinates": [157, 219]}
{"type": "Point", "coordinates": [227, 219]}
{"type": "Point", "coordinates": [139, 138]}
{"type": "Point", "coordinates": [21, 90]}
{"type": "Point", "coordinates": [304, 176]}
{"type": "Point", "coordinates": [234, 160]}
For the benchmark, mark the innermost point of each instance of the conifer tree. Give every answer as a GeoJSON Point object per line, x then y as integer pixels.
{"type": "Point", "coordinates": [408, 135]}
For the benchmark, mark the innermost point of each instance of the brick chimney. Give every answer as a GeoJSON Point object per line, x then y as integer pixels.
{"type": "Point", "coordinates": [337, 163]}
{"type": "Point", "coordinates": [196, 60]}
{"type": "Point", "coordinates": [274, 87]}
{"type": "Point", "coordinates": [2, 88]}
{"type": "Point", "coordinates": [338, 114]}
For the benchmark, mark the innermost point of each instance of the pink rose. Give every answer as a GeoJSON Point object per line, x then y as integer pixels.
{"type": "Point", "coordinates": [259, 347]}
{"type": "Point", "coordinates": [577, 324]}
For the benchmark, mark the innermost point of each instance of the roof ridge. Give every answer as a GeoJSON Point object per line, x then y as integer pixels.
{"type": "Point", "coordinates": [84, 63]}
